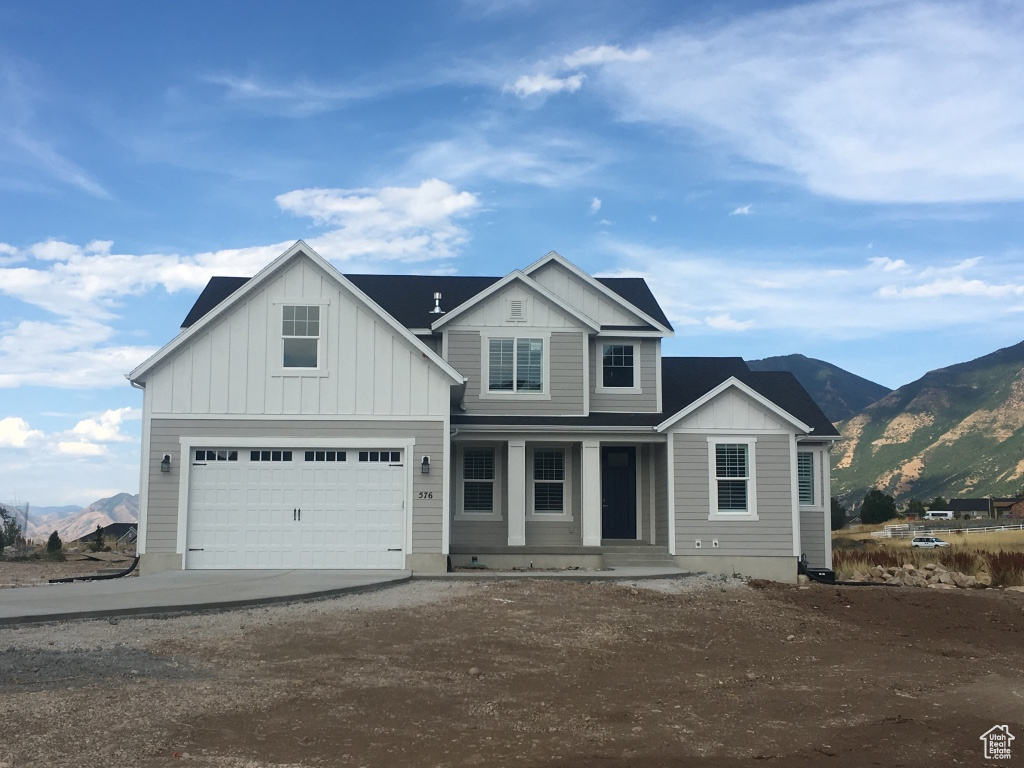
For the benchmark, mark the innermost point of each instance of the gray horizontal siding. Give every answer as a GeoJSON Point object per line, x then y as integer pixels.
{"type": "Point", "coordinates": [162, 505]}
{"type": "Point", "coordinates": [565, 359]}
{"type": "Point", "coordinates": [812, 536]}
{"type": "Point", "coordinates": [646, 366]}
{"type": "Point", "coordinates": [771, 534]}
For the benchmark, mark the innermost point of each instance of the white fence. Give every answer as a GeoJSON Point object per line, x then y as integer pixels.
{"type": "Point", "coordinates": [904, 531]}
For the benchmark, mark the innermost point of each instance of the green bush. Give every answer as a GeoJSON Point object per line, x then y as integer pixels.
{"type": "Point", "coordinates": [55, 547]}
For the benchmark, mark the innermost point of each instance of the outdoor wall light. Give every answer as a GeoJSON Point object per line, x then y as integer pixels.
{"type": "Point", "coordinates": [165, 464]}
{"type": "Point", "coordinates": [425, 466]}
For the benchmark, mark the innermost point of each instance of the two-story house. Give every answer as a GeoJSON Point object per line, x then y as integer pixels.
{"type": "Point", "coordinates": [308, 419]}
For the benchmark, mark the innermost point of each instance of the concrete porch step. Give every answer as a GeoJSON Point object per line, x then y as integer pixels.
{"type": "Point", "coordinates": [637, 557]}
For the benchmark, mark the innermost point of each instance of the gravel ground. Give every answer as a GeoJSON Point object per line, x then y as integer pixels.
{"type": "Point", "coordinates": [700, 671]}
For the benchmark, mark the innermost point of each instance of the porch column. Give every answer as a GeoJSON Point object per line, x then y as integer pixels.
{"type": "Point", "coordinates": [591, 501]}
{"type": "Point", "coordinates": [516, 493]}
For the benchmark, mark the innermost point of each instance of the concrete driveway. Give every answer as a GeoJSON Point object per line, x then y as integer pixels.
{"type": "Point", "coordinates": [181, 591]}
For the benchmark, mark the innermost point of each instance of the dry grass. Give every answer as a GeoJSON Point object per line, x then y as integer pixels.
{"type": "Point", "coordinates": [1005, 567]}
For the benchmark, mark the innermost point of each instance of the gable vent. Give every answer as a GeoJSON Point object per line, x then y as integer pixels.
{"type": "Point", "coordinates": [516, 310]}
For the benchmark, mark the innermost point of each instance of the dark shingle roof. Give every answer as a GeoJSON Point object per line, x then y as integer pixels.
{"type": "Point", "coordinates": [684, 380]}
{"type": "Point", "coordinates": [218, 289]}
{"type": "Point", "coordinates": [410, 298]}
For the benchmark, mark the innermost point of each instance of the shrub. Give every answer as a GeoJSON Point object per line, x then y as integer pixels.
{"type": "Point", "coordinates": [55, 547]}
{"type": "Point", "coordinates": [1007, 568]}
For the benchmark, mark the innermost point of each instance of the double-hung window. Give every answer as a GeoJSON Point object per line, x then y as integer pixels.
{"type": "Point", "coordinates": [515, 365]}
{"type": "Point", "coordinates": [732, 478]}
{"type": "Point", "coordinates": [805, 477]}
{"type": "Point", "coordinates": [549, 497]}
{"type": "Point", "coordinates": [478, 481]}
{"type": "Point", "coordinates": [617, 366]}
{"type": "Point", "coordinates": [300, 332]}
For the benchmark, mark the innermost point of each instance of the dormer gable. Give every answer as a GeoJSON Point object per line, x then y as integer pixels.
{"type": "Point", "coordinates": [517, 301]}
{"type": "Point", "coordinates": [589, 296]}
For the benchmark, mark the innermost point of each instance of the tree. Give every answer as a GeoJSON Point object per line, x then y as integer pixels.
{"type": "Point", "coordinates": [878, 507]}
{"type": "Point", "coordinates": [55, 547]}
{"type": "Point", "coordinates": [838, 514]}
{"type": "Point", "coordinates": [915, 508]}
{"type": "Point", "coordinates": [938, 503]}
{"type": "Point", "coordinates": [97, 539]}
{"type": "Point", "coordinates": [10, 531]}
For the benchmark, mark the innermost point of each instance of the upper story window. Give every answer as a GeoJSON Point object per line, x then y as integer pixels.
{"type": "Point", "coordinates": [300, 331]}
{"type": "Point", "coordinates": [805, 477]}
{"type": "Point", "coordinates": [515, 365]}
{"type": "Point", "coordinates": [617, 366]}
{"type": "Point", "coordinates": [732, 478]}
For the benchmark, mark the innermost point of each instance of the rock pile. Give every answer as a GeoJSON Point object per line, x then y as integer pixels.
{"type": "Point", "coordinates": [932, 575]}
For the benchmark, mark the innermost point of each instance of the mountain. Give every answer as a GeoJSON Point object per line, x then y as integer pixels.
{"type": "Point", "coordinates": [840, 394]}
{"type": "Point", "coordinates": [73, 524]}
{"type": "Point", "coordinates": [956, 431]}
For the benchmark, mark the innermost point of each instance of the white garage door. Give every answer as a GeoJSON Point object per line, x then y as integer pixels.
{"type": "Point", "coordinates": [296, 508]}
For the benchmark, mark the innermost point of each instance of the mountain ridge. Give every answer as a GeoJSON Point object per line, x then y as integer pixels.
{"type": "Point", "coordinates": [956, 431]}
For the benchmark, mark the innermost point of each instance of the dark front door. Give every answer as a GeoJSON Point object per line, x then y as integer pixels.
{"type": "Point", "coordinates": [618, 492]}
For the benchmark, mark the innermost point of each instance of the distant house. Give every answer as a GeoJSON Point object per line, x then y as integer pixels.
{"type": "Point", "coordinates": [115, 533]}
{"type": "Point", "coordinates": [971, 507]}
{"type": "Point", "coordinates": [308, 419]}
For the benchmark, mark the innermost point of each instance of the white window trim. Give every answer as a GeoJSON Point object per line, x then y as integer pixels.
{"type": "Point", "coordinates": [485, 363]}
{"type": "Point", "coordinates": [566, 513]}
{"type": "Point", "coordinates": [599, 386]}
{"type": "Point", "coordinates": [322, 349]}
{"type": "Point", "coordinates": [816, 474]}
{"type": "Point", "coordinates": [714, 513]}
{"type": "Point", "coordinates": [460, 488]}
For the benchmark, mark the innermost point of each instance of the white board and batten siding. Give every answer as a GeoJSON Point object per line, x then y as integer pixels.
{"type": "Point", "coordinates": [732, 414]}
{"type": "Point", "coordinates": [583, 297]}
{"type": "Point", "coordinates": [234, 366]}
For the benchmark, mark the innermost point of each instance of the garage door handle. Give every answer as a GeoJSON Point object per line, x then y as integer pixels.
{"type": "Point", "coordinates": [395, 549]}
{"type": "Point", "coordinates": [295, 515]}
{"type": "Point", "coordinates": [196, 549]}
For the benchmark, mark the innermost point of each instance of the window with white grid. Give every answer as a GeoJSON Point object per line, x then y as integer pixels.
{"type": "Point", "coordinates": [549, 482]}
{"type": "Point", "coordinates": [300, 332]}
{"type": "Point", "coordinates": [732, 478]}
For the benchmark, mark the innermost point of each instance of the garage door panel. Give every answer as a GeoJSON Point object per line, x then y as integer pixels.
{"type": "Point", "coordinates": [243, 512]}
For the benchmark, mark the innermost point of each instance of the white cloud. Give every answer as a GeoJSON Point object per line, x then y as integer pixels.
{"type": "Point", "coordinates": [24, 138]}
{"type": "Point", "coordinates": [106, 428]}
{"type": "Point", "coordinates": [827, 295]}
{"type": "Point", "coordinates": [545, 159]}
{"type": "Point", "coordinates": [531, 85]}
{"type": "Point", "coordinates": [889, 100]}
{"type": "Point", "coordinates": [952, 286]}
{"type": "Point", "coordinates": [743, 210]}
{"type": "Point", "coordinates": [725, 322]}
{"type": "Point", "coordinates": [75, 354]}
{"type": "Point", "coordinates": [81, 449]}
{"type": "Point", "coordinates": [604, 54]}
{"type": "Point", "coordinates": [16, 433]}
{"type": "Point", "coordinates": [296, 99]}
{"type": "Point", "coordinates": [595, 205]}
{"type": "Point", "coordinates": [886, 264]}
{"type": "Point", "coordinates": [85, 286]}
{"type": "Point", "coordinates": [403, 223]}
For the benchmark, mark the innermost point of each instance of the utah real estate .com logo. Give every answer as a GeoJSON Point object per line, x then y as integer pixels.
{"type": "Point", "coordinates": [997, 742]}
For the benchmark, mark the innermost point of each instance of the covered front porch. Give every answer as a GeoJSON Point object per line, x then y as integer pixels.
{"type": "Point", "coordinates": [547, 500]}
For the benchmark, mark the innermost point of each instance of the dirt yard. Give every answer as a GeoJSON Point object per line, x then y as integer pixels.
{"type": "Point", "coordinates": [697, 672]}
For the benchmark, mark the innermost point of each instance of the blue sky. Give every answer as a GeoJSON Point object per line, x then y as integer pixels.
{"type": "Point", "coordinates": [838, 179]}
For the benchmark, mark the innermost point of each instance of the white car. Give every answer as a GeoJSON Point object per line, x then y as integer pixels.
{"type": "Point", "coordinates": [928, 542]}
